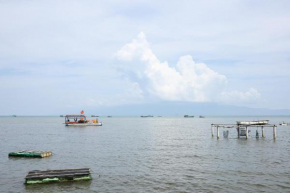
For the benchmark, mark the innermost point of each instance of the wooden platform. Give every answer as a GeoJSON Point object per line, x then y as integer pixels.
{"type": "Point", "coordinates": [30, 153]}
{"type": "Point", "coordinates": [48, 176]}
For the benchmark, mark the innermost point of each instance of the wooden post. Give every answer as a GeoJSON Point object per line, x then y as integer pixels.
{"type": "Point", "coordinates": [238, 129]}
{"type": "Point", "coordinates": [212, 131]}
{"type": "Point", "coordinates": [274, 132]}
{"type": "Point", "coordinates": [263, 134]}
{"type": "Point", "coordinates": [218, 134]}
{"type": "Point", "coordinates": [247, 133]}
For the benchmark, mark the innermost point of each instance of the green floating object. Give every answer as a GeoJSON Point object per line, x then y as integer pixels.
{"type": "Point", "coordinates": [27, 153]}
{"type": "Point", "coordinates": [50, 176]}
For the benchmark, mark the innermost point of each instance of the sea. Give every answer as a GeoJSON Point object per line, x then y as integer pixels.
{"type": "Point", "coordinates": [154, 154]}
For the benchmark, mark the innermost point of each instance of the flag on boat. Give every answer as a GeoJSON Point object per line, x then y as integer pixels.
{"type": "Point", "coordinates": [82, 112]}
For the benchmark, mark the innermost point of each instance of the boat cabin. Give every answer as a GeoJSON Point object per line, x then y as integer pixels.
{"type": "Point", "coordinates": [73, 119]}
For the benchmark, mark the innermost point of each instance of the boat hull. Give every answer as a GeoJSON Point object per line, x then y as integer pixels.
{"type": "Point", "coordinates": [262, 122]}
{"type": "Point", "coordinates": [83, 124]}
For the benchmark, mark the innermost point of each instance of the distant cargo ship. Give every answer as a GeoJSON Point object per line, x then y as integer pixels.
{"type": "Point", "coordinates": [187, 116]}
{"type": "Point", "coordinates": [146, 116]}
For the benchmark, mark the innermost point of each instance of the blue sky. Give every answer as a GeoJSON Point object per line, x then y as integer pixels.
{"type": "Point", "coordinates": [59, 56]}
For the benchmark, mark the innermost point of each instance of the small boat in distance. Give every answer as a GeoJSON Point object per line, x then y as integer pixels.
{"type": "Point", "coordinates": [201, 116]}
{"type": "Point", "coordinates": [94, 116]}
{"type": "Point", "coordinates": [109, 116]}
{"type": "Point", "coordinates": [284, 124]}
{"type": "Point", "coordinates": [260, 122]}
{"type": "Point", "coordinates": [187, 116]}
{"type": "Point", "coordinates": [13, 115]}
{"type": "Point", "coordinates": [61, 115]}
{"type": "Point", "coordinates": [80, 120]}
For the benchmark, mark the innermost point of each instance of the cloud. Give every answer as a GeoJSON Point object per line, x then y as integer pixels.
{"type": "Point", "coordinates": [186, 81]}
{"type": "Point", "coordinates": [233, 96]}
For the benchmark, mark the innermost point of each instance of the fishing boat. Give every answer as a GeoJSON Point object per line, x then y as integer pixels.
{"type": "Point", "coordinates": [187, 116]}
{"type": "Point", "coordinates": [201, 116]}
{"type": "Point", "coordinates": [260, 122]}
{"type": "Point", "coordinates": [284, 124]}
{"type": "Point", "coordinates": [80, 120]}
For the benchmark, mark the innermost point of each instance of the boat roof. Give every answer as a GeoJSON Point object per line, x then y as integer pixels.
{"type": "Point", "coordinates": [75, 115]}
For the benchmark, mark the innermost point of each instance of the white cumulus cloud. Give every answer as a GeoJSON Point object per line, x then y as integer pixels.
{"type": "Point", "coordinates": [233, 96]}
{"type": "Point", "coordinates": [187, 81]}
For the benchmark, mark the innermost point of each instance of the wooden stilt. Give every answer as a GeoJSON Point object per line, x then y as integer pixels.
{"type": "Point", "coordinates": [274, 132]}
{"type": "Point", "coordinates": [218, 134]}
{"type": "Point", "coordinates": [238, 129]}
{"type": "Point", "coordinates": [263, 134]}
{"type": "Point", "coordinates": [212, 132]}
{"type": "Point", "coordinates": [247, 134]}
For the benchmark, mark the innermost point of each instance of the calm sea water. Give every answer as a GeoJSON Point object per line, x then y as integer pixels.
{"type": "Point", "coordinates": [132, 154]}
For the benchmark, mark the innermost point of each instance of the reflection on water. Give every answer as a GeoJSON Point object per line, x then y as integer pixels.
{"type": "Point", "coordinates": [154, 154]}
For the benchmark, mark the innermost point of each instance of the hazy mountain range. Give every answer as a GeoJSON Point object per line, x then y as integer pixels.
{"type": "Point", "coordinates": [183, 108]}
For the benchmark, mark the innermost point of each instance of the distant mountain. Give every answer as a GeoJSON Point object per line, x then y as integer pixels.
{"type": "Point", "coordinates": [185, 108]}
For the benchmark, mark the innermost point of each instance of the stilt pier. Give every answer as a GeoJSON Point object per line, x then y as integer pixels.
{"type": "Point", "coordinates": [242, 128]}
{"type": "Point", "coordinates": [49, 176]}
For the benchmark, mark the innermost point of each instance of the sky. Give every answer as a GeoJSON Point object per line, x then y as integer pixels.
{"type": "Point", "coordinates": [59, 57]}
